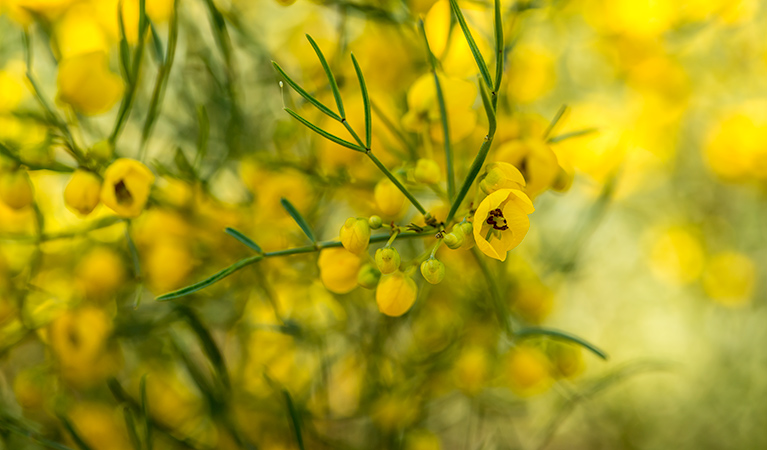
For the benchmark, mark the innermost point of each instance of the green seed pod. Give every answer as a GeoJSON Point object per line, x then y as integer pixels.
{"type": "Point", "coordinates": [368, 276]}
{"type": "Point", "coordinates": [375, 222]}
{"type": "Point", "coordinates": [433, 271]}
{"type": "Point", "coordinates": [387, 260]}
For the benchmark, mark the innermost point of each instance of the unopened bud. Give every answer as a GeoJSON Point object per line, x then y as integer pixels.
{"type": "Point", "coordinates": [387, 260]}
{"type": "Point", "coordinates": [355, 235]}
{"type": "Point", "coordinates": [368, 276]}
{"type": "Point", "coordinates": [433, 271]}
{"type": "Point", "coordinates": [375, 222]}
{"type": "Point", "coordinates": [426, 171]}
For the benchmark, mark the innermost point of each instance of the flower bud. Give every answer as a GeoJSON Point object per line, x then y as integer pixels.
{"type": "Point", "coordinates": [501, 175]}
{"type": "Point", "coordinates": [338, 270]}
{"type": "Point", "coordinates": [375, 222]}
{"type": "Point", "coordinates": [468, 231]}
{"type": "Point", "coordinates": [389, 199]}
{"type": "Point", "coordinates": [395, 294]}
{"type": "Point", "coordinates": [101, 151]}
{"type": "Point", "coordinates": [433, 271]}
{"type": "Point", "coordinates": [426, 171]}
{"type": "Point", "coordinates": [387, 260]}
{"type": "Point", "coordinates": [368, 276]}
{"type": "Point", "coordinates": [355, 235]}
{"type": "Point", "coordinates": [454, 239]}
{"type": "Point", "coordinates": [127, 183]}
{"type": "Point", "coordinates": [16, 189]}
{"type": "Point", "coordinates": [83, 192]}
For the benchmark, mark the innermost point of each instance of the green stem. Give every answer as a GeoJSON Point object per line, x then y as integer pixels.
{"type": "Point", "coordinates": [501, 311]}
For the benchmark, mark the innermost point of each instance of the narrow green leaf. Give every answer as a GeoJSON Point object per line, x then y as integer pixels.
{"type": "Point", "coordinates": [487, 102]}
{"type": "Point", "coordinates": [244, 239]}
{"type": "Point", "coordinates": [365, 103]}
{"type": "Point", "coordinates": [78, 440]}
{"type": "Point", "coordinates": [398, 133]}
{"type": "Point", "coordinates": [331, 78]}
{"type": "Point", "coordinates": [309, 97]}
{"type": "Point", "coordinates": [298, 218]}
{"type": "Point", "coordinates": [203, 135]}
{"type": "Point", "coordinates": [499, 49]}
{"type": "Point", "coordinates": [324, 133]}
{"type": "Point", "coordinates": [530, 332]}
{"type": "Point", "coordinates": [143, 26]}
{"type": "Point", "coordinates": [557, 117]}
{"type": "Point", "coordinates": [442, 113]}
{"type": "Point", "coordinates": [209, 346]}
{"type": "Point", "coordinates": [125, 64]}
{"type": "Point", "coordinates": [200, 379]}
{"type": "Point", "coordinates": [130, 425]}
{"type": "Point", "coordinates": [472, 44]}
{"type": "Point", "coordinates": [294, 418]}
{"type": "Point", "coordinates": [191, 289]}
{"type": "Point", "coordinates": [145, 413]}
{"type": "Point", "coordinates": [182, 164]}
{"type": "Point", "coordinates": [572, 134]}
{"type": "Point", "coordinates": [19, 429]}
{"type": "Point", "coordinates": [158, 93]}
{"type": "Point", "coordinates": [397, 183]}
{"type": "Point", "coordinates": [157, 47]}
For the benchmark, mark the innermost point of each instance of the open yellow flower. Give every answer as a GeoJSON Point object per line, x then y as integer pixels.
{"type": "Point", "coordinates": [86, 83]}
{"type": "Point", "coordinates": [501, 222]}
{"type": "Point", "coordinates": [126, 187]}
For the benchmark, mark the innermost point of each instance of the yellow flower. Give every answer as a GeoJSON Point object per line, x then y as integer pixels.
{"type": "Point", "coordinates": [86, 83]}
{"type": "Point", "coordinates": [126, 187]}
{"type": "Point", "coordinates": [389, 199]}
{"type": "Point", "coordinates": [355, 235]}
{"type": "Point", "coordinates": [536, 161]}
{"type": "Point", "coordinates": [501, 222]}
{"type": "Point", "coordinates": [395, 294]}
{"type": "Point", "coordinates": [83, 191]}
{"type": "Point", "coordinates": [16, 189]}
{"type": "Point", "coordinates": [100, 273]}
{"type": "Point", "coordinates": [528, 370]}
{"type": "Point", "coordinates": [339, 269]}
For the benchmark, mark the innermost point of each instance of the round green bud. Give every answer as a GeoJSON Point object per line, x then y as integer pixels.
{"type": "Point", "coordinates": [466, 227]}
{"type": "Point", "coordinates": [387, 260]}
{"type": "Point", "coordinates": [375, 222]}
{"type": "Point", "coordinates": [454, 239]}
{"type": "Point", "coordinates": [355, 235]}
{"type": "Point", "coordinates": [433, 271]}
{"type": "Point", "coordinates": [368, 276]}
{"type": "Point", "coordinates": [426, 171]}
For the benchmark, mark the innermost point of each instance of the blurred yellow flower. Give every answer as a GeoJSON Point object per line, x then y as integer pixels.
{"type": "Point", "coordinates": [471, 369]}
{"type": "Point", "coordinates": [730, 278]}
{"type": "Point", "coordinates": [99, 426]}
{"type": "Point", "coordinates": [339, 269]}
{"type": "Point", "coordinates": [501, 222]}
{"type": "Point", "coordinates": [83, 192]}
{"type": "Point", "coordinates": [395, 294]}
{"type": "Point", "coordinates": [100, 273]}
{"type": "Point", "coordinates": [534, 159]}
{"type": "Point", "coordinates": [16, 189]}
{"type": "Point", "coordinates": [426, 171]}
{"type": "Point", "coordinates": [126, 187]}
{"type": "Point", "coordinates": [168, 263]}
{"type": "Point", "coordinates": [532, 73]}
{"type": "Point", "coordinates": [528, 370]}
{"type": "Point", "coordinates": [423, 107]}
{"type": "Point", "coordinates": [676, 255]}
{"type": "Point", "coordinates": [79, 32]}
{"type": "Point", "coordinates": [389, 199]}
{"type": "Point", "coordinates": [86, 83]}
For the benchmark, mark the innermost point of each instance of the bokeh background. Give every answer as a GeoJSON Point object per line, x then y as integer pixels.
{"type": "Point", "coordinates": [655, 254]}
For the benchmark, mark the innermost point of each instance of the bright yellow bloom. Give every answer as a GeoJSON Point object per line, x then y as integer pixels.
{"type": "Point", "coordinates": [339, 269]}
{"type": "Point", "coordinates": [127, 183]}
{"type": "Point", "coordinates": [16, 189]}
{"type": "Point", "coordinates": [501, 222]}
{"type": "Point", "coordinates": [395, 294]}
{"type": "Point", "coordinates": [83, 192]}
{"type": "Point", "coordinates": [355, 235]}
{"type": "Point", "coordinates": [86, 83]}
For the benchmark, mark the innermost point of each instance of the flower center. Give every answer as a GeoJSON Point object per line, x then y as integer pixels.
{"type": "Point", "coordinates": [122, 194]}
{"type": "Point", "coordinates": [496, 219]}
